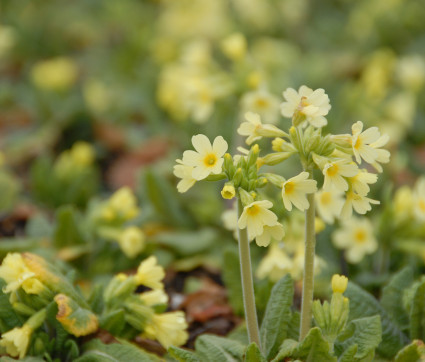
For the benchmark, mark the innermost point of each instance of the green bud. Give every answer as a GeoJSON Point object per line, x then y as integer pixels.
{"type": "Point", "coordinates": [252, 185]}
{"type": "Point", "coordinates": [23, 309]}
{"type": "Point", "coordinates": [137, 313]}
{"type": "Point", "coordinates": [319, 315]}
{"type": "Point", "coordinates": [261, 182]}
{"type": "Point", "coordinates": [246, 197]}
{"type": "Point", "coordinates": [275, 158]}
{"type": "Point", "coordinates": [298, 118]}
{"type": "Point", "coordinates": [37, 319]}
{"type": "Point", "coordinates": [228, 166]}
{"type": "Point", "coordinates": [38, 347]}
{"type": "Point", "coordinates": [274, 179]}
{"type": "Point", "coordinates": [253, 155]}
{"type": "Point", "coordinates": [295, 138]}
{"type": "Point", "coordinates": [237, 177]}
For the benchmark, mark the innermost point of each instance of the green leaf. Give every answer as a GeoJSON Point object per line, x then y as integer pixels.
{"type": "Point", "coordinates": [391, 293]}
{"type": "Point", "coordinates": [8, 317]}
{"type": "Point", "coordinates": [232, 280]}
{"type": "Point", "coordinates": [412, 352]}
{"type": "Point", "coordinates": [113, 322]}
{"type": "Point", "coordinates": [96, 300]}
{"type": "Point", "coordinates": [253, 354]}
{"type": "Point", "coordinates": [362, 304]}
{"type": "Point", "coordinates": [25, 359]}
{"type": "Point", "coordinates": [313, 348]}
{"type": "Point", "coordinates": [277, 316]}
{"type": "Point", "coordinates": [96, 351]}
{"type": "Point", "coordinates": [189, 243]}
{"type": "Point", "coordinates": [213, 348]}
{"type": "Point", "coordinates": [417, 313]}
{"type": "Point", "coordinates": [66, 232]}
{"type": "Point", "coordinates": [183, 355]}
{"type": "Point", "coordinates": [294, 326]}
{"type": "Point", "coordinates": [349, 353]}
{"type": "Point", "coordinates": [365, 333]}
{"type": "Point", "coordinates": [9, 191]}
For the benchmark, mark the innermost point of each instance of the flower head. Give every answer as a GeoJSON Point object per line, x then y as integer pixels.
{"type": "Point", "coordinates": [154, 297]}
{"type": "Point", "coordinates": [168, 328]}
{"type": "Point", "coordinates": [263, 103]}
{"type": "Point", "coordinates": [132, 241]}
{"type": "Point", "coordinates": [329, 204]}
{"type": "Point", "coordinates": [335, 173]}
{"type": "Point", "coordinates": [208, 159]}
{"type": "Point", "coordinates": [228, 192]}
{"type": "Point", "coordinates": [356, 238]}
{"type": "Point", "coordinates": [275, 264]}
{"type": "Point", "coordinates": [255, 129]}
{"type": "Point", "coordinates": [184, 172]}
{"type": "Point", "coordinates": [16, 341]}
{"type": "Point", "coordinates": [295, 189]}
{"type": "Point", "coordinates": [150, 274]}
{"type": "Point", "coordinates": [255, 216]}
{"type": "Point", "coordinates": [361, 142]}
{"type": "Point", "coordinates": [383, 155]}
{"type": "Point", "coordinates": [306, 104]}
{"type": "Point", "coordinates": [339, 283]}
{"type": "Point", "coordinates": [361, 204]}
{"type": "Point", "coordinates": [275, 232]}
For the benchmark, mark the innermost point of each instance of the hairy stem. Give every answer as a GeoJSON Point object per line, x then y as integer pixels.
{"type": "Point", "coordinates": [247, 284]}
{"type": "Point", "coordinates": [308, 277]}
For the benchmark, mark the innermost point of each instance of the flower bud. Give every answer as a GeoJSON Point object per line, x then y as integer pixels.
{"type": "Point", "coordinates": [253, 155]}
{"type": "Point", "coordinates": [274, 179]}
{"type": "Point", "coordinates": [339, 283]}
{"type": "Point", "coordinates": [228, 166]}
{"type": "Point", "coordinates": [246, 197]}
{"type": "Point", "coordinates": [275, 158]}
{"type": "Point", "coordinates": [228, 192]}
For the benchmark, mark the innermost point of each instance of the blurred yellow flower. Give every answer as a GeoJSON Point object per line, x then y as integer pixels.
{"type": "Point", "coordinates": [16, 341]}
{"type": "Point", "coordinates": [419, 199]}
{"type": "Point", "coordinates": [361, 204]}
{"type": "Point", "coordinates": [150, 274]}
{"type": "Point", "coordinates": [82, 153]}
{"type": "Point", "coordinates": [234, 46]}
{"type": "Point", "coordinates": [270, 233]}
{"type": "Point", "coordinates": [262, 102]}
{"type": "Point", "coordinates": [122, 204]}
{"type": "Point", "coordinates": [335, 173]}
{"type": "Point", "coordinates": [184, 172]}
{"type": "Point", "coordinates": [275, 264]}
{"type": "Point", "coordinates": [255, 129]}
{"type": "Point", "coordinates": [55, 74]}
{"type": "Point", "coordinates": [295, 190]}
{"type": "Point", "coordinates": [154, 297]}
{"type": "Point", "coordinates": [329, 204]}
{"type": "Point", "coordinates": [132, 241]}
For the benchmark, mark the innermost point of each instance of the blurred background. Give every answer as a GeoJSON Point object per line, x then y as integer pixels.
{"type": "Point", "coordinates": [100, 95]}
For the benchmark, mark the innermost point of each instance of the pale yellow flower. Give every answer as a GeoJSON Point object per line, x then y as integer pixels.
{"type": "Point", "coordinates": [360, 182]}
{"type": "Point", "coordinates": [150, 274]}
{"type": "Point", "coordinates": [234, 46]}
{"type": "Point", "coordinates": [168, 328]}
{"type": "Point", "coordinates": [275, 232]}
{"type": "Point", "coordinates": [295, 190]}
{"type": "Point", "coordinates": [419, 199]}
{"type": "Point", "coordinates": [335, 173]}
{"type": "Point", "coordinates": [255, 129]}
{"type": "Point", "coordinates": [361, 204]}
{"type": "Point", "coordinates": [228, 192]}
{"type": "Point", "coordinates": [55, 74]}
{"type": "Point", "coordinates": [356, 238]}
{"type": "Point", "coordinates": [339, 283]}
{"type": "Point", "coordinates": [275, 264]}
{"type": "Point", "coordinates": [255, 216]}
{"type": "Point", "coordinates": [383, 155]}
{"type": "Point", "coordinates": [16, 274]}
{"type": "Point", "coordinates": [132, 241]}
{"type": "Point", "coordinates": [184, 172]}
{"type": "Point", "coordinates": [361, 142]}
{"type": "Point", "coordinates": [154, 297]}
{"type": "Point", "coordinates": [262, 102]}
{"type": "Point", "coordinates": [329, 204]}
{"type": "Point", "coordinates": [16, 341]}
{"type": "Point", "coordinates": [82, 154]}
{"type": "Point", "coordinates": [230, 220]}
{"type": "Point", "coordinates": [208, 159]}
{"type": "Point", "coordinates": [404, 203]}
{"type": "Point", "coordinates": [122, 204]}
{"type": "Point", "coordinates": [311, 105]}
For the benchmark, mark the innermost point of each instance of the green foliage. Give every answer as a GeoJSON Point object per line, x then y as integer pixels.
{"type": "Point", "coordinates": [253, 354]}
{"type": "Point", "coordinates": [232, 280]}
{"type": "Point", "coordinates": [183, 355]}
{"type": "Point", "coordinates": [212, 349]}
{"type": "Point", "coordinates": [415, 351]}
{"type": "Point", "coordinates": [8, 317]}
{"type": "Point", "coordinates": [9, 191]}
{"type": "Point", "coordinates": [417, 313]}
{"type": "Point", "coordinates": [362, 304]}
{"type": "Point", "coordinates": [277, 316]}
{"type": "Point", "coordinates": [66, 232]}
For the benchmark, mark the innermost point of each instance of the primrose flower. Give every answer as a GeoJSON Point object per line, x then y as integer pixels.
{"type": "Point", "coordinates": [82, 154]}
{"type": "Point", "coordinates": [154, 297]}
{"type": "Point", "coordinates": [295, 189]}
{"type": "Point", "coordinates": [168, 328]}
{"type": "Point", "coordinates": [275, 264]}
{"type": "Point", "coordinates": [339, 283]}
{"type": "Point", "coordinates": [361, 142]}
{"type": "Point", "coordinates": [383, 155]}
{"type": "Point", "coordinates": [228, 192]}
{"type": "Point", "coordinates": [335, 172]}
{"type": "Point", "coordinates": [360, 182]}
{"type": "Point", "coordinates": [132, 241]}
{"type": "Point", "coordinates": [234, 46]}
{"type": "Point", "coordinates": [208, 159]}
{"type": "Point", "coordinates": [122, 204]}
{"type": "Point", "coordinates": [356, 238]}
{"type": "Point", "coordinates": [16, 341]}
{"type": "Point", "coordinates": [262, 102]}
{"type": "Point", "coordinates": [55, 74]}
{"type": "Point", "coordinates": [329, 204]}
{"type": "Point", "coordinates": [275, 232]}
{"type": "Point", "coordinates": [306, 104]}
{"type": "Point", "coordinates": [255, 216]}
{"type": "Point", "coordinates": [419, 199]}
{"type": "Point", "coordinates": [184, 172]}
{"type": "Point", "coordinates": [254, 129]}
{"type": "Point", "coordinates": [361, 204]}
{"type": "Point", "coordinates": [150, 274]}
{"type": "Point", "coordinates": [16, 274]}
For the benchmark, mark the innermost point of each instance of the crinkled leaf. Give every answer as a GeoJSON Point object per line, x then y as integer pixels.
{"type": "Point", "coordinates": [96, 351]}
{"type": "Point", "coordinates": [232, 280]}
{"type": "Point", "coordinates": [75, 319]}
{"type": "Point", "coordinates": [412, 352]}
{"type": "Point", "coordinates": [66, 232]}
{"type": "Point", "coordinates": [363, 332]}
{"type": "Point", "coordinates": [417, 313]}
{"type": "Point", "coordinates": [213, 348]}
{"type": "Point", "coordinates": [313, 348]}
{"type": "Point", "coordinates": [362, 304]}
{"type": "Point", "coordinates": [277, 316]}
{"type": "Point", "coordinates": [348, 354]}
{"type": "Point", "coordinates": [113, 322]}
{"type": "Point", "coordinates": [253, 354]}
{"type": "Point", "coordinates": [8, 317]}
{"type": "Point", "coordinates": [294, 326]}
{"type": "Point", "coordinates": [391, 293]}
{"type": "Point", "coordinates": [96, 300]}
{"type": "Point", "coordinates": [183, 355]}
{"type": "Point", "coordinates": [61, 335]}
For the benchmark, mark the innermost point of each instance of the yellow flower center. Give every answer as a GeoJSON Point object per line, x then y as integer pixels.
{"type": "Point", "coordinates": [326, 198]}
{"type": "Point", "coordinates": [289, 187]}
{"type": "Point", "coordinates": [210, 160]}
{"type": "Point", "coordinates": [303, 104]}
{"type": "Point", "coordinates": [332, 170]}
{"type": "Point", "coordinates": [358, 143]}
{"type": "Point", "coordinates": [253, 210]}
{"type": "Point", "coordinates": [261, 103]}
{"type": "Point", "coordinates": [360, 236]}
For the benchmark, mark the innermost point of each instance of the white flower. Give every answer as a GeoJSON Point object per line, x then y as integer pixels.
{"type": "Point", "coordinates": [275, 232]}
{"type": "Point", "coordinates": [335, 172]}
{"type": "Point", "coordinates": [313, 105]}
{"type": "Point", "coordinates": [360, 182]}
{"type": "Point", "coordinates": [361, 142]}
{"type": "Point", "coordinates": [357, 238]}
{"type": "Point", "coordinates": [419, 199]}
{"type": "Point", "coordinates": [184, 172]}
{"type": "Point", "coordinates": [255, 216]}
{"type": "Point", "coordinates": [295, 189]}
{"type": "Point", "coordinates": [359, 203]}
{"type": "Point", "coordinates": [254, 129]}
{"type": "Point", "coordinates": [208, 159]}
{"type": "Point", "coordinates": [263, 103]}
{"type": "Point", "coordinates": [329, 204]}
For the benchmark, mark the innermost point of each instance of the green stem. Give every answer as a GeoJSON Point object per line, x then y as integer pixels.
{"type": "Point", "coordinates": [308, 278]}
{"type": "Point", "coordinates": [247, 284]}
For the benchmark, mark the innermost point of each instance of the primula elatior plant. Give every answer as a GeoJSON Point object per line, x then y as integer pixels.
{"type": "Point", "coordinates": [334, 175]}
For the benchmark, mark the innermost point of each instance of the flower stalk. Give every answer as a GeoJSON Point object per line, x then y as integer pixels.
{"type": "Point", "coordinates": [308, 277]}
{"type": "Point", "coordinates": [247, 284]}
